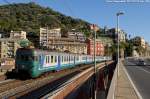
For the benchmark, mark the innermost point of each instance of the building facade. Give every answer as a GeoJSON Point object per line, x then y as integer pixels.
{"type": "Point", "coordinates": [76, 36]}
{"type": "Point", "coordinates": [99, 47]}
{"type": "Point", "coordinates": [147, 49]}
{"type": "Point", "coordinates": [8, 47]}
{"type": "Point", "coordinates": [139, 41]}
{"type": "Point", "coordinates": [113, 33]}
{"type": "Point", "coordinates": [18, 34]}
{"type": "Point", "coordinates": [46, 33]}
{"type": "Point", "coordinates": [67, 45]}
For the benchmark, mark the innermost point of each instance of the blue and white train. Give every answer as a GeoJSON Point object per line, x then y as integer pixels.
{"type": "Point", "coordinates": [36, 62]}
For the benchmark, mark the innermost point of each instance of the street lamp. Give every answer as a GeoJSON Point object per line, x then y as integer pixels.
{"type": "Point", "coordinates": [118, 14]}
{"type": "Point", "coordinates": [93, 28]}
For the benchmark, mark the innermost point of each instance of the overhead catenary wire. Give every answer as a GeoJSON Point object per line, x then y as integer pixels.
{"type": "Point", "coordinates": [69, 8]}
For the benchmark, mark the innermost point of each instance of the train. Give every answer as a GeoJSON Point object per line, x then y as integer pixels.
{"type": "Point", "coordinates": [36, 62]}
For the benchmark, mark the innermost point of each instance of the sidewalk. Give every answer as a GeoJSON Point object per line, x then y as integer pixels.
{"type": "Point", "coordinates": [124, 88]}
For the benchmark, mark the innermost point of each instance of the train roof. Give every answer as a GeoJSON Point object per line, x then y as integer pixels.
{"type": "Point", "coordinates": [48, 51]}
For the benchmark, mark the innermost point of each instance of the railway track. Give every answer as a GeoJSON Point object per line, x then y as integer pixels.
{"type": "Point", "coordinates": [2, 77]}
{"type": "Point", "coordinates": [3, 82]}
{"type": "Point", "coordinates": [24, 89]}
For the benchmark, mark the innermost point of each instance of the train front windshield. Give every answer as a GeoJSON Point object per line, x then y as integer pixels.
{"type": "Point", "coordinates": [25, 57]}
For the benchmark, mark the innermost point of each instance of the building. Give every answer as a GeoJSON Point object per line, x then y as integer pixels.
{"type": "Point", "coordinates": [94, 27]}
{"type": "Point", "coordinates": [113, 33]}
{"type": "Point", "coordinates": [67, 45]}
{"type": "Point", "coordinates": [7, 64]}
{"type": "Point", "coordinates": [46, 33]}
{"type": "Point", "coordinates": [77, 36]}
{"type": "Point", "coordinates": [139, 41]}
{"type": "Point", "coordinates": [147, 49]}
{"type": "Point", "coordinates": [99, 47]}
{"type": "Point", "coordinates": [8, 47]}
{"type": "Point", "coordinates": [18, 34]}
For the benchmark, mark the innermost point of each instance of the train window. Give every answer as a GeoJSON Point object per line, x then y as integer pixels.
{"type": "Point", "coordinates": [18, 57]}
{"type": "Point", "coordinates": [26, 58]}
{"type": "Point", "coordinates": [35, 58]}
{"type": "Point", "coordinates": [48, 59]}
{"type": "Point", "coordinates": [65, 58]}
{"type": "Point", "coordinates": [40, 58]}
{"type": "Point", "coordinates": [51, 59]}
{"type": "Point", "coordinates": [61, 58]}
{"type": "Point", "coordinates": [55, 59]}
{"type": "Point", "coordinates": [22, 57]}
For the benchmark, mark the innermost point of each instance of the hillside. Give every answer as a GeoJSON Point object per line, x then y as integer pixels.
{"type": "Point", "coordinates": [30, 17]}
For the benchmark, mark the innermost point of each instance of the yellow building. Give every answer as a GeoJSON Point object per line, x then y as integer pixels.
{"type": "Point", "coordinates": [8, 47]}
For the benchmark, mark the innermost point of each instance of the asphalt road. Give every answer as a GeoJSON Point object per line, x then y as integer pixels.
{"type": "Point", "coordinates": [140, 76]}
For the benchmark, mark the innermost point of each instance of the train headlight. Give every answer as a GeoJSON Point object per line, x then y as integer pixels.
{"type": "Point", "coordinates": [22, 66]}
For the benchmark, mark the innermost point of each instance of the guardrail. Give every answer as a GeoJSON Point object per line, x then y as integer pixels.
{"type": "Point", "coordinates": [73, 83]}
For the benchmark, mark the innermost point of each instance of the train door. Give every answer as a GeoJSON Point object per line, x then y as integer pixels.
{"type": "Point", "coordinates": [59, 63]}
{"type": "Point", "coordinates": [41, 60]}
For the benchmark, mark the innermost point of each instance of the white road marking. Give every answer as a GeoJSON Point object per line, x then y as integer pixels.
{"type": "Point", "coordinates": [136, 90]}
{"type": "Point", "coordinates": [143, 70]}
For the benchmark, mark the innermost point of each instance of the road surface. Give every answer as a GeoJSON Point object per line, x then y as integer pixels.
{"type": "Point", "coordinates": [140, 76]}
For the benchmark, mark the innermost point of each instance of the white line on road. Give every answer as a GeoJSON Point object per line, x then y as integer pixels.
{"type": "Point", "coordinates": [143, 69]}
{"type": "Point", "coordinates": [136, 90]}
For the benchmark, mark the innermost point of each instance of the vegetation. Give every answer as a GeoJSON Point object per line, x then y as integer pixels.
{"type": "Point", "coordinates": [126, 46]}
{"type": "Point", "coordinates": [30, 17]}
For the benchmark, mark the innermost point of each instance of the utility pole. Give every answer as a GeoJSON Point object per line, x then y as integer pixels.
{"type": "Point", "coordinates": [95, 79]}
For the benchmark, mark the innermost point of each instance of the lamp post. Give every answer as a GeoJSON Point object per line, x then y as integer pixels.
{"type": "Point", "coordinates": [93, 28]}
{"type": "Point", "coordinates": [118, 14]}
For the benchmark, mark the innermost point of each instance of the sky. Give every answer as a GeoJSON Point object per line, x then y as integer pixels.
{"type": "Point", "coordinates": [135, 20]}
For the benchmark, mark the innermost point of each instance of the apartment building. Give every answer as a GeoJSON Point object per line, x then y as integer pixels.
{"type": "Point", "coordinates": [139, 41]}
{"type": "Point", "coordinates": [18, 34]}
{"type": "Point", "coordinates": [99, 47]}
{"type": "Point", "coordinates": [8, 47]}
{"type": "Point", "coordinates": [46, 33]}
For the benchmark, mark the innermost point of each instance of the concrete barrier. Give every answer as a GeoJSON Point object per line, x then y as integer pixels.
{"type": "Point", "coordinates": [111, 92]}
